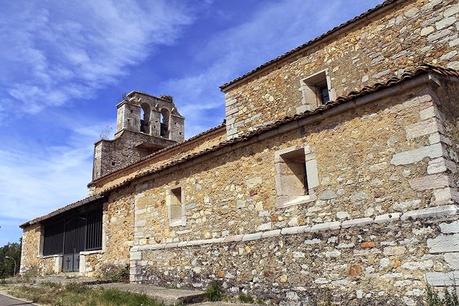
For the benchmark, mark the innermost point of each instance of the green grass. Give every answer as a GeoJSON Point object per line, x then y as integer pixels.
{"type": "Point", "coordinates": [75, 294]}
{"type": "Point", "coordinates": [449, 297]}
{"type": "Point", "coordinates": [214, 292]}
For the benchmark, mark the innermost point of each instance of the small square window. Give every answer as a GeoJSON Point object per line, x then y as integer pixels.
{"type": "Point", "coordinates": [296, 176]}
{"type": "Point", "coordinates": [316, 90]}
{"type": "Point", "coordinates": [293, 173]}
{"type": "Point", "coordinates": [175, 207]}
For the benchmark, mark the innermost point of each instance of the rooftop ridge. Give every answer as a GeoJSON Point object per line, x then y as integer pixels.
{"type": "Point", "coordinates": [377, 9]}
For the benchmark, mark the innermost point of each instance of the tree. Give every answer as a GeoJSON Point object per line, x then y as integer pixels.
{"type": "Point", "coordinates": [11, 250]}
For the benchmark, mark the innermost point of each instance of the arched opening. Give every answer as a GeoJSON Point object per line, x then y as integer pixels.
{"type": "Point", "coordinates": [164, 123]}
{"type": "Point", "coordinates": [145, 118]}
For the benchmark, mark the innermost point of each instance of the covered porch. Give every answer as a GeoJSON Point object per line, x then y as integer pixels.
{"type": "Point", "coordinates": [70, 235]}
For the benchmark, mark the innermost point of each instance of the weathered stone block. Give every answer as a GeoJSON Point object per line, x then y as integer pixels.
{"type": "Point", "coordinates": [431, 212]}
{"type": "Point", "coordinates": [416, 155]}
{"type": "Point", "coordinates": [423, 128]}
{"type": "Point", "coordinates": [427, 30]}
{"type": "Point", "coordinates": [443, 196]}
{"type": "Point", "coordinates": [454, 9]}
{"type": "Point", "coordinates": [453, 260]}
{"type": "Point", "coordinates": [233, 238]}
{"type": "Point", "coordinates": [264, 226]}
{"type": "Point", "coordinates": [437, 165]}
{"type": "Point", "coordinates": [356, 222]}
{"type": "Point", "coordinates": [450, 228]}
{"type": "Point", "coordinates": [327, 195]}
{"type": "Point", "coordinates": [359, 196]}
{"type": "Point", "coordinates": [312, 173]}
{"type": "Point", "coordinates": [406, 205]}
{"type": "Point", "coordinates": [367, 245]}
{"type": "Point", "coordinates": [387, 218]}
{"type": "Point", "coordinates": [136, 256]}
{"type": "Point", "coordinates": [440, 279]}
{"type": "Point", "coordinates": [427, 182]}
{"type": "Point", "coordinates": [312, 241]}
{"type": "Point", "coordinates": [249, 237]}
{"type": "Point", "coordinates": [289, 230]}
{"type": "Point", "coordinates": [445, 22]}
{"type": "Point", "coordinates": [418, 265]}
{"type": "Point", "coordinates": [394, 250]}
{"type": "Point", "coordinates": [270, 234]}
{"type": "Point", "coordinates": [444, 244]}
{"type": "Point", "coordinates": [342, 215]}
{"type": "Point", "coordinates": [327, 226]}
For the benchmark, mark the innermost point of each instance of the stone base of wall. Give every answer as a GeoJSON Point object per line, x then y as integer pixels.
{"type": "Point", "coordinates": [387, 260]}
{"type": "Point", "coordinates": [90, 262]}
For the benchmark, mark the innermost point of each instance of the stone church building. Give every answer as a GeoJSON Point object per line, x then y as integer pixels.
{"type": "Point", "coordinates": [335, 172]}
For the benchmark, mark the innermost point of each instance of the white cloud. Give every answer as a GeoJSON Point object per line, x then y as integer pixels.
{"type": "Point", "coordinates": [53, 176]}
{"type": "Point", "coordinates": [37, 179]}
{"type": "Point", "coordinates": [58, 51]}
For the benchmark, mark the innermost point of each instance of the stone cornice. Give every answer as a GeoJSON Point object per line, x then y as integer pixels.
{"type": "Point", "coordinates": [436, 212]}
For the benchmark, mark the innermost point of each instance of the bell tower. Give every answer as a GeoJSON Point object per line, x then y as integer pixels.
{"type": "Point", "coordinates": [144, 124]}
{"type": "Point", "coordinates": [149, 115]}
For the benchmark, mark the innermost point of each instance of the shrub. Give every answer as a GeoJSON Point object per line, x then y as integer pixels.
{"type": "Point", "coordinates": [30, 273]}
{"type": "Point", "coordinates": [214, 291]}
{"type": "Point", "coordinates": [449, 298]}
{"type": "Point", "coordinates": [114, 273]}
{"type": "Point", "coordinates": [245, 298]}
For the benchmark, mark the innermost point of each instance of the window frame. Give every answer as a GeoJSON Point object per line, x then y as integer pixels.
{"type": "Point", "coordinates": [309, 86]}
{"type": "Point", "coordinates": [311, 175]}
{"type": "Point", "coordinates": [170, 195]}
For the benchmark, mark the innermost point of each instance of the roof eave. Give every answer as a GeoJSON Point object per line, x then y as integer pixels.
{"type": "Point", "coordinates": [329, 35]}
{"type": "Point", "coordinates": [74, 205]}
{"type": "Point", "coordinates": [192, 139]}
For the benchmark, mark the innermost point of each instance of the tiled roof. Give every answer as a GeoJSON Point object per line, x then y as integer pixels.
{"type": "Point", "coordinates": [408, 75]}
{"type": "Point", "coordinates": [386, 4]}
{"type": "Point", "coordinates": [61, 210]}
{"type": "Point", "coordinates": [164, 150]}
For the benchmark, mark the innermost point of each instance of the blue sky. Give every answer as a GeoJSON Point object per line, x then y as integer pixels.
{"type": "Point", "coordinates": [64, 65]}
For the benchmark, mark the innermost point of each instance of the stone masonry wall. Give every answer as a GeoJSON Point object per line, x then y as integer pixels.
{"type": "Point", "coordinates": [112, 155]}
{"type": "Point", "coordinates": [384, 262]}
{"type": "Point", "coordinates": [365, 163]}
{"type": "Point", "coordinates": [412, 33]}
{"type": "Point", "coordinates": [391, 161]}
{"type": "Point", "coordinates": [118, 234]}
{"type": "Point", "coordinates": [119, 226]}
{"type": "Point", "coordinates": [30, 259]}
